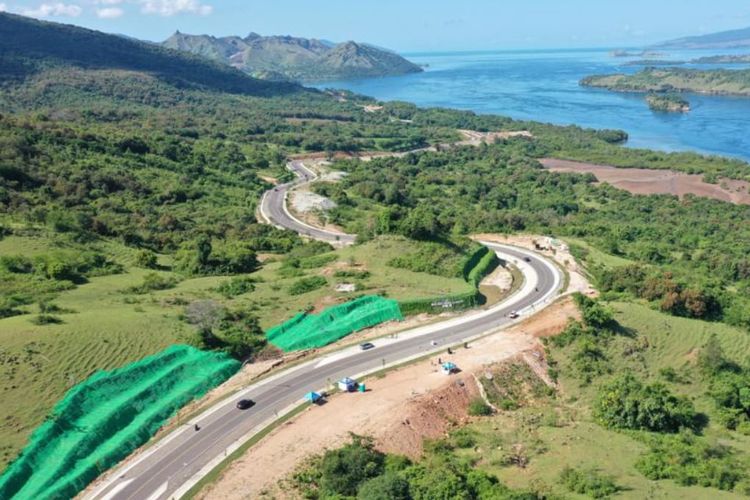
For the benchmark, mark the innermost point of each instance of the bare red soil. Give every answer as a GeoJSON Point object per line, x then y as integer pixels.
{"type": "Point", "coordinates": [648, 181]}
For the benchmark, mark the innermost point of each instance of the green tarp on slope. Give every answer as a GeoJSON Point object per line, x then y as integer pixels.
{"type": "Point", "coordinates": [103, 419]}
{"type": "Point", "coordinates": [306, 331]}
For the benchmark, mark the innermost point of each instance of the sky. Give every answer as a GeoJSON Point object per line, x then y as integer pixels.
{"type": "Point", "coordinates": [407, 25]}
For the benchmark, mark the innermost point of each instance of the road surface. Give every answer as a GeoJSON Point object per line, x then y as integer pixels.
{"type": "Point", "coordinates": [185, 452]}
{"type": "Point", "coordinates": [274, 209]}
{"type": "Point", "coordinates": [170, 467]}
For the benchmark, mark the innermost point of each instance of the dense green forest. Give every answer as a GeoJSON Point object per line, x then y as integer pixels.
{"type": "Point", "coordinates": [688, 258]}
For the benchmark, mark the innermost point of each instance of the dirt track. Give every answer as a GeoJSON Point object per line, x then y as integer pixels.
{"type": "Point", "coordinates": [648, 181]}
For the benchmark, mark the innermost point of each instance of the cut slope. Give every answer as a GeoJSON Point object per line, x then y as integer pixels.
{"type": "Point", "coordinates": [305, 331]}
{"type": "Point", "coordinates": [100, 421]}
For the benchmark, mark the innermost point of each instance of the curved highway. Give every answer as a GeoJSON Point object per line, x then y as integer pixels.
{"type": "Point", "coordinates": [273, 208]}
{"type": "Point", "coordinates": [170, 467]}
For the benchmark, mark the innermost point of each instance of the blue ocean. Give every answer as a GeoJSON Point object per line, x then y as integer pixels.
{"type": "Point", "coordinates": [544, 86]}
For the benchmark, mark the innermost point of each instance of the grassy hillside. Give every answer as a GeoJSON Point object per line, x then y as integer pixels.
{"type": "Point", "coordinates": [109, 321]}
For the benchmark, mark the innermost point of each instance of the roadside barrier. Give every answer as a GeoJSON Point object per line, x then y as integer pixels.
{"type": "Point", "coordinates": [480, 264]}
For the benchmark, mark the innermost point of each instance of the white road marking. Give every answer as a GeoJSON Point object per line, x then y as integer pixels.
{"type": "Point", "coordinates": [117, 489]}
{"type": "Point", "coordinates": [159, 491]}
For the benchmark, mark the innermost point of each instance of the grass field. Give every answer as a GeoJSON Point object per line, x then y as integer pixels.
{"type": "Point", "coordinates": [551, 433]}
{"type": "Point", "coordinates": [106, 327]}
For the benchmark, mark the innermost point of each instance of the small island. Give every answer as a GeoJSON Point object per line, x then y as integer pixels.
{"type": "Point", "coordinates": [667, 103]}
{"type": "Point", "coordinates": [668, 80]}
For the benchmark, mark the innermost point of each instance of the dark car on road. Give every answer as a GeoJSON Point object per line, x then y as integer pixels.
{"type": "Point", "coordinates": [366, 346]}
{"type": "Point", "coordinates": [527, 259]}
{"type": "Point", "coordinates": [244, 404]}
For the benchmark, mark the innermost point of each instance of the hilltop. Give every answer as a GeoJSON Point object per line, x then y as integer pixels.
{"type": "Point", "coordinates": [723, 40]}
{"type": "Point", "coordinates": [29, 48]}
{"type": "Point", "coordinates": [292, 58]}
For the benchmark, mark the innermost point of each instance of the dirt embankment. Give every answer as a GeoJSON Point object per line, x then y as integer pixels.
{"type": "Point", "coordinates": [649, 181]}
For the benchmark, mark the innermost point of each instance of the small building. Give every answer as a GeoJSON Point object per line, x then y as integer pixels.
{"type": "Point", "coordinates": [449, 368]}
{"type": "Point", "coordinates": [313, 397]}
{"type": "Point", "coordinates": [347, 384]}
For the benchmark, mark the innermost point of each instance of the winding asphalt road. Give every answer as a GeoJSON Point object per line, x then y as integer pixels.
{"type": "Point", "coordinates": [273, 208]}
{"type": "Point", "coordinates": [170, 467]}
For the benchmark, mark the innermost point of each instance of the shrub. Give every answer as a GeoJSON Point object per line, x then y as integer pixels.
{"type": "Point", "coordinates": [352, 274]}
{"type": "Point", "coordinates": [588, 482]}
{"type": "Point", "coordinates": [46, 319]}
{"type": "Point", "coordinates": [625, 403]}
{"type": "Point", "coordinates": [344, 470]}
{"type": "Point", "coordinates": [153, 282]}
{"type": "Point", "coordinates": [146, 259]}
{"type": "Point", "coordinates": [389, 486]}
{"type": "Point", "coordinates": [463, 438]}
{"type": "Point", "coordinates": [306, 285]}
{"type": "Point", "coordinates": [236, 286]}
{"type": "Point", "coordinates": [478, 408]}
{"type": "Point", "coordinates": [690, 460]}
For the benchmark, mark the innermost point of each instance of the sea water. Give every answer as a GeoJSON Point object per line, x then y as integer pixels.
{"type": "Point", "coordinates": [543, 85]}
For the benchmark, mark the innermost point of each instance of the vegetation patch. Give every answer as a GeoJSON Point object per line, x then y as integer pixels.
{"type": "Point", "coordinates": [305, 285]}
{"type": "Point", "coordinates": [588, 482]}
{"type": "Point", "coordinates": [358, 470]}
{"type": "Point", "coordinates": [512, 385]}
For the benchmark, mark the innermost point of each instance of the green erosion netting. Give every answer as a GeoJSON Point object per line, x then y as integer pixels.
{"type": "Point", "coordinates": [480, 264]}
{"type": "Point", "coordinates": [103, 419]}
{"type": "Point", "coordinates": [305, 331]}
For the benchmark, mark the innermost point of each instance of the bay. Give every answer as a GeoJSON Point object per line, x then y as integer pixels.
{"type": "Point", "coordinates": [543, 85]}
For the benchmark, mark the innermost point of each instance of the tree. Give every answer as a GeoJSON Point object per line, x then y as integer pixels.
{"type": "Point", "coordinates": [204, 314]}
{"type": "Point", "coordinates": [345, 469]}
{"type": "Point", "coordinates": [203, 251]}
{"type": "Point", "coordinates": [242, 334]}
{"type": "Point", "coordinates": [711, 359]}
{"type": "Point", "coordinates": [420, 224]}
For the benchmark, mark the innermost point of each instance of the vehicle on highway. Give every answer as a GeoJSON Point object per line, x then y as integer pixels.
{"type": "Point", "coordinates": [366, 346]}
{"type": "Point", "coordinates": [527, 259]}
{"type": "Point", "coordinates": [513, 315]}
{"type": "Point", "coordinates": [244, 404]}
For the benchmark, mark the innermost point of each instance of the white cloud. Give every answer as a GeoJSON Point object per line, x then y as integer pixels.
{"type": "Point", "coordinates": [54, 9]}
{"type": "Point", "coordinates": [3, 7]}
{"type": "Point", "coordinates": [172, 7]}
{"type": "Point", "coordinates": [109, 13]}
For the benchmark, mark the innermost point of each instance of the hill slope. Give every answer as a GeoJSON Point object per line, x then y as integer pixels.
{"type": "Point", "coordinates": [29, 47]}
{"type": "Point", "coordinates": [722, 40]}
{"type": "Point", "coordinates": [295, 58]}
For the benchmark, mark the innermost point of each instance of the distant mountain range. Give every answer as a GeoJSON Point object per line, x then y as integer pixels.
{"type": "Point", "coordinates": [724, 40]}
{"type": "Point", "coordinates": [297, 59]}
{"type": "Point", "coordinates": [30, 48]}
